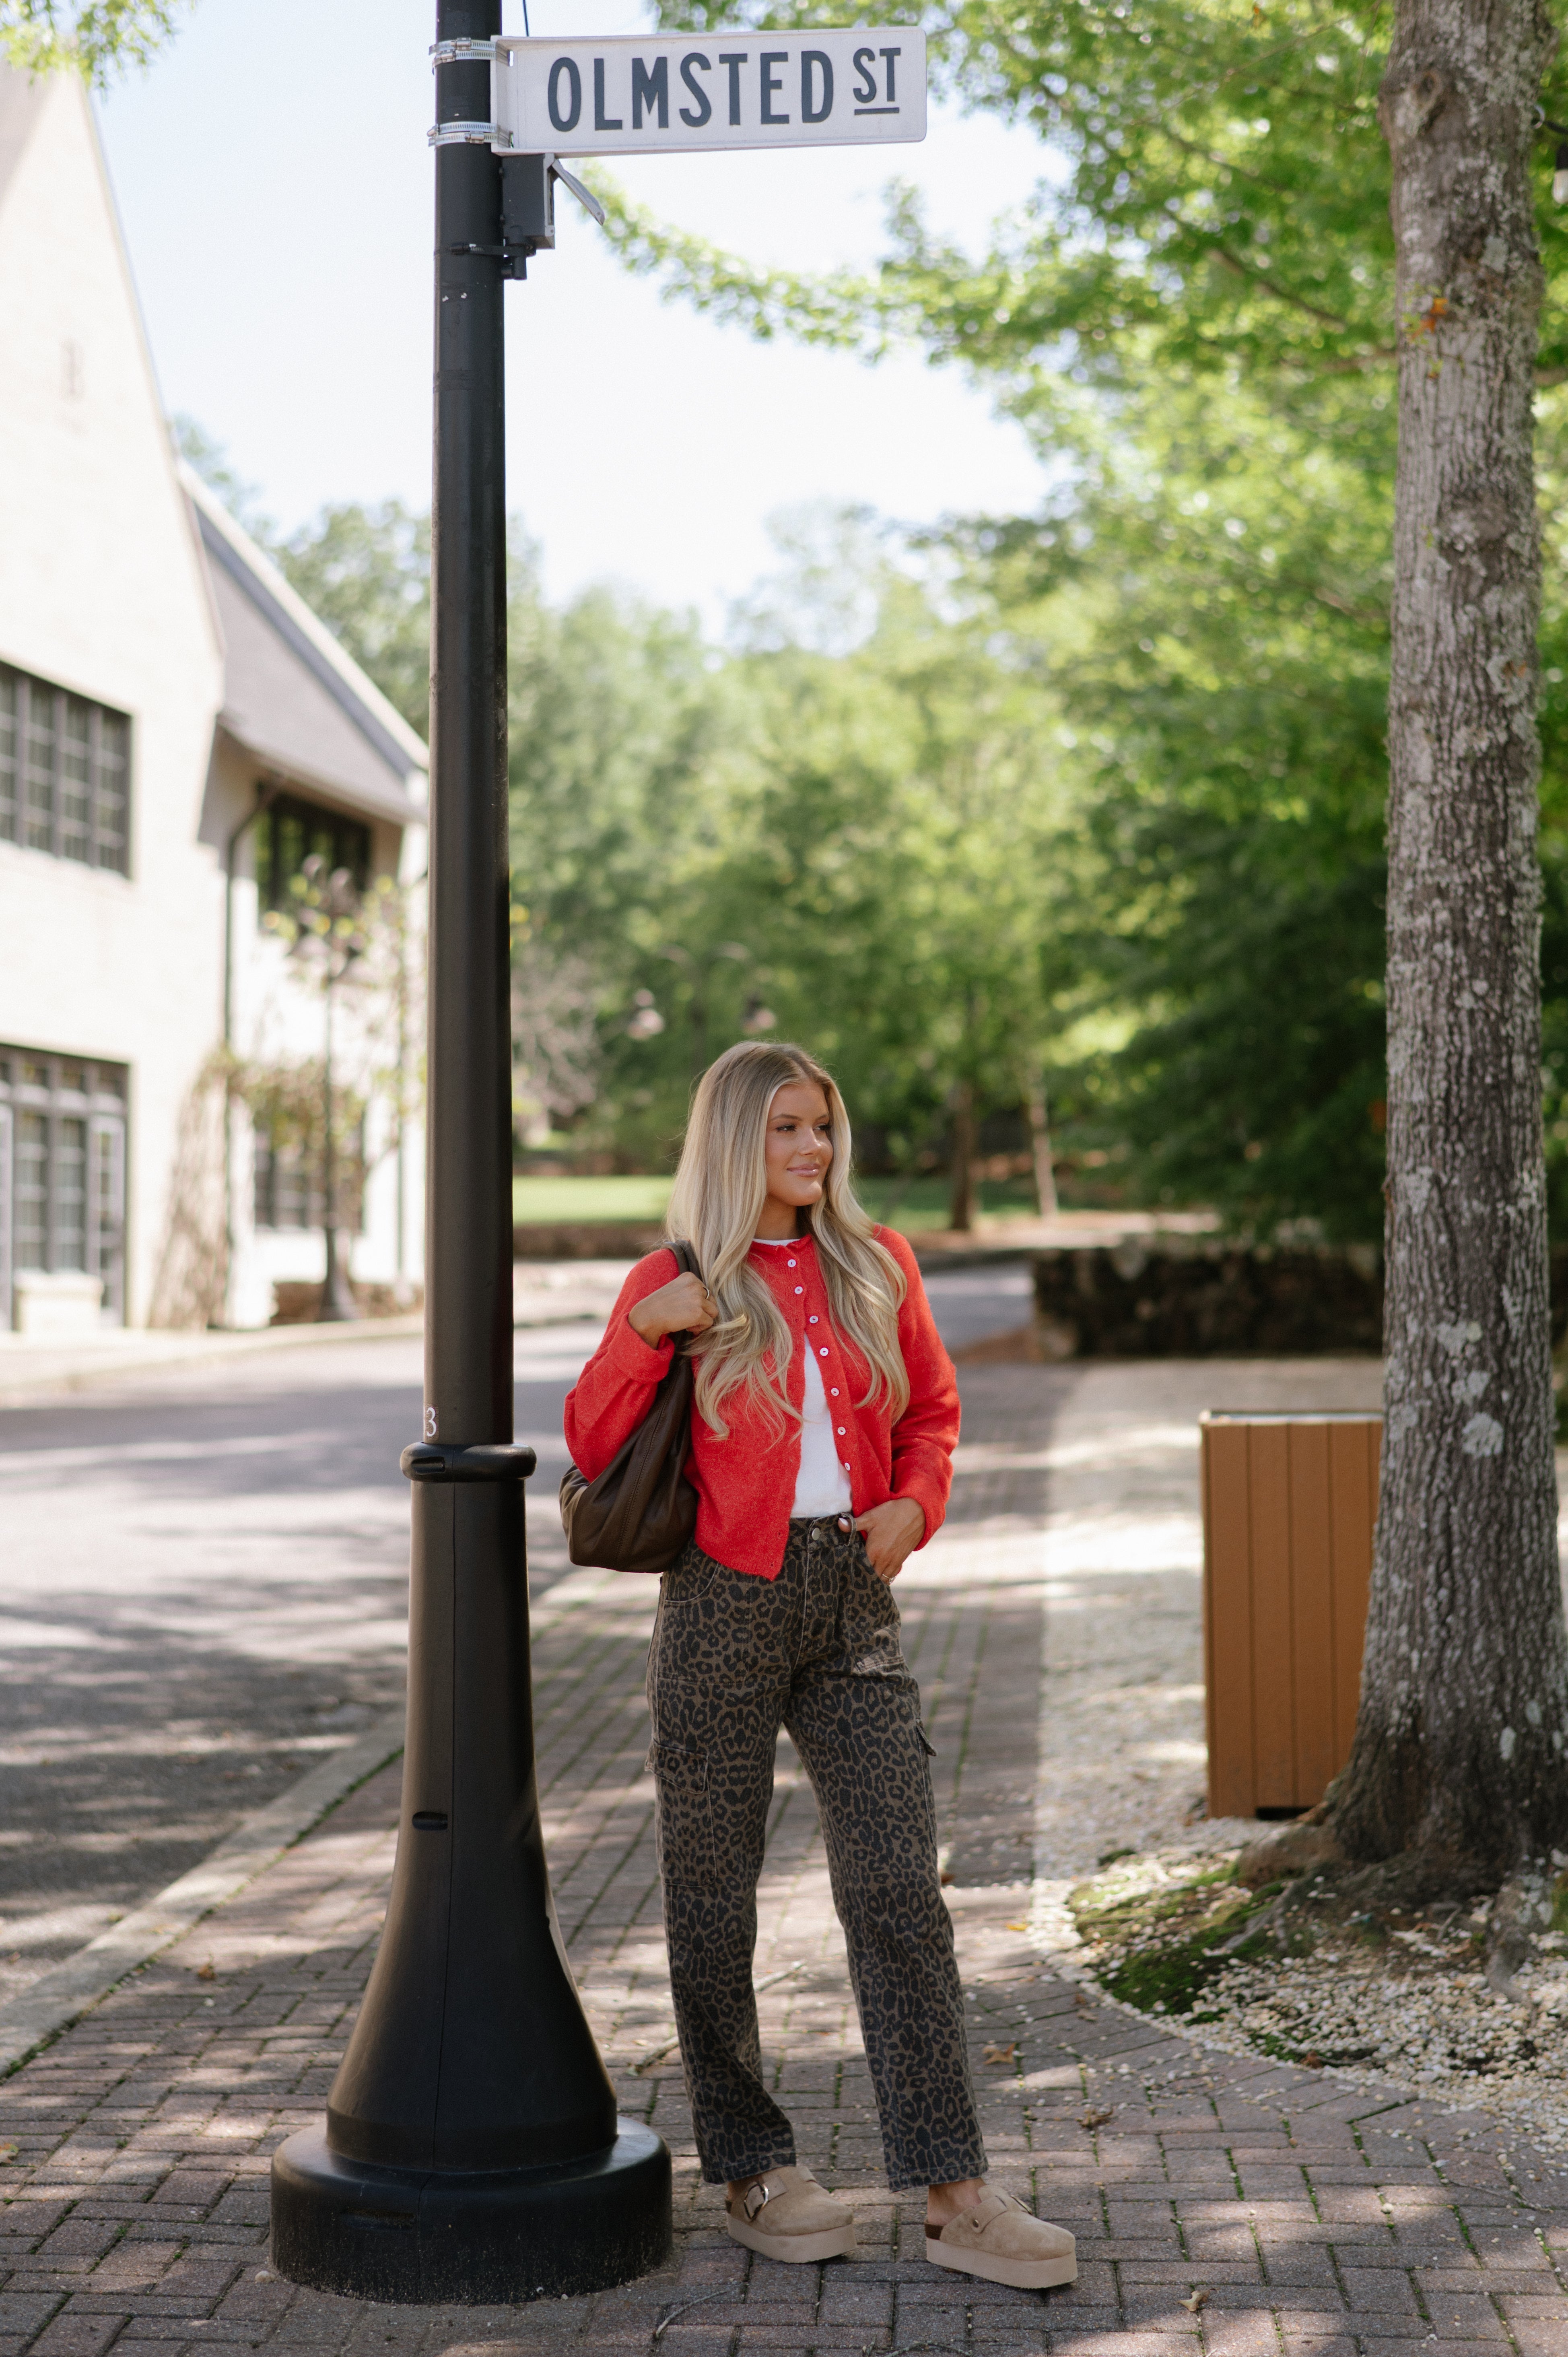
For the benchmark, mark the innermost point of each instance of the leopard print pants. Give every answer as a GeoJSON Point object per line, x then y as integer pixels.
{"type": "Point", "coordinates": [733, 1658]}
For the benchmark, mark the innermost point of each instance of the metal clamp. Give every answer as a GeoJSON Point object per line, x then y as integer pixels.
{"type": "Point", "coordinates": [470, 134]}
{"type": "Point", "coordinates": [461, 53]}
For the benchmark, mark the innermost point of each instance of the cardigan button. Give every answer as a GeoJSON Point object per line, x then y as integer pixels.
{"type": "Point", "coordinates": [825, 1351]}
{"type": "Point", "coordinates": [799, 1288]}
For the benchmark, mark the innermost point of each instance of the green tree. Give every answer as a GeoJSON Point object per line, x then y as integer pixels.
{"type": "Point", "coordinates": [1219, 193]}
{"type": "Point", "coordinates": [366, 572]}
{"type": "Point", "coordinates": [93, 36]}
{"type": "Point", "coordinates": [902, 861]}
{"type": "Point", "coordinates": [621, 801]}
{"type": "Point", "coordinates": [1208, 601]}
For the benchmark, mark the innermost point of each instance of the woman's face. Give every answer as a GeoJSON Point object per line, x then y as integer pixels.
{"type": "Point", "coordinates": [800, 1145]}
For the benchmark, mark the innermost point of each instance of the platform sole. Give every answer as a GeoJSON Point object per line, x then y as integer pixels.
{"type": "Point", "coordinates": [834, 2243]}
{"type": "Point", "coordinates": [1019, 2274]}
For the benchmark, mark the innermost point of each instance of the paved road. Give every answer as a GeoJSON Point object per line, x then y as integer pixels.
{"type": "Point", "coordinates": [202, 1588]}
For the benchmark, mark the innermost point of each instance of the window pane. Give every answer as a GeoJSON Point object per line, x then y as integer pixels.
{"type": "Point", "coordinates": [65, 774]}
{"type": "Point", "coordinates": [289, 831]}
{"type": "Point", "coordinates": [108, 1144]}
{"type": "Point", "coordinates": [112, 793]}
{"type": "Point", "coordinates": [32, 1190]}
{"type": "Point", "coordinates": [289, 857]}
{"type": "Point", "coordinates": [75, 781]}
{"type": "Point", "coordinates": [71, 1196]}
{"type": "Point", "coordinates": [10, 755]}
{"type": "Point", "coordinates": [287, 1194]}
{"type": "Point", "coordinates": [40, 780]}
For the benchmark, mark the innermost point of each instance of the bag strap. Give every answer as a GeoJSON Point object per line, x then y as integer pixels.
{"type": "Point", "coordinates": [685, 1266]}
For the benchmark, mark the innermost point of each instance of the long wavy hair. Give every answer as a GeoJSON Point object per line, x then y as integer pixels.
{"type": "Point", "coordinates": [719, 1192]}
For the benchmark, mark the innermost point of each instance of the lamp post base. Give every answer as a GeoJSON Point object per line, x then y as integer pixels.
{"type": "Point", "coordinates": [433, 2237]}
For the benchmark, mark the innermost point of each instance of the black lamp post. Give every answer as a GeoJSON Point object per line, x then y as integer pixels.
{"type": "Point", "coordinates": [472, 2150]}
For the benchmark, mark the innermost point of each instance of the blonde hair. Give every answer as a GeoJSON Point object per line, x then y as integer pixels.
{"type": "Point", "coordinates": [720, 1189]}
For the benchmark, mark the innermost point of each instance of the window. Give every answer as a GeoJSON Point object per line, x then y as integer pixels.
{"type": "Point", "coordinates": [288, 1192]}
{"type": "Point", "coordinates": [289, 830]}
{"type": "Point", "coordinates": [64, 769]}
{"type": "Point", "coordinates": [63, 1171]}
{"type": "Point", "coordinates": [288, 1188]}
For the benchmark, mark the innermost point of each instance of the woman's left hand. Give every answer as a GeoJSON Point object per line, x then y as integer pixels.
{"type": "Point", "coordinates": [891, 1532]}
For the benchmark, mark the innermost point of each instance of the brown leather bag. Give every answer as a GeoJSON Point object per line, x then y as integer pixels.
{"type": "Point", "coordinates": [642, 1510]}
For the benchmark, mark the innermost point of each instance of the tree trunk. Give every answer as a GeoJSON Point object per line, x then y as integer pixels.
{"type": "Point", "coordinates": [1040, 1148]}
{"type": "Point", "coordinates": [1458, 1763]}
{"type": "Point", "coordinates": [960, 1196]}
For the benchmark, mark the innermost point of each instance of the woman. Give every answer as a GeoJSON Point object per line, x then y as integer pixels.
{"type": "Point", "coordinates": [824, 1419]}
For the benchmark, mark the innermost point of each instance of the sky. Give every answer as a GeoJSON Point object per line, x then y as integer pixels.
{"type": "Point", "coordinates": [274, 187]}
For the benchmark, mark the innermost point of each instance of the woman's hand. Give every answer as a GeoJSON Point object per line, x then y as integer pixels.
{"type": "Point", "coordinates": [684, 1305]}
{"type": "Point", "coordinates": [892, 1532]}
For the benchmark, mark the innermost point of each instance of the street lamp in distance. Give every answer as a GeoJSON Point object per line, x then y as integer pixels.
{"type": "Point", "coordinates": [329, 938]}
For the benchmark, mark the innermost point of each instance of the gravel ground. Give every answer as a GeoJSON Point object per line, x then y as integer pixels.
{"type": "Point", "coordinates": [1413, 2012]}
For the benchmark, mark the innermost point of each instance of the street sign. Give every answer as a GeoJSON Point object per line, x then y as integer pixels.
{"type": "Point", "coordinates": [631, 94]}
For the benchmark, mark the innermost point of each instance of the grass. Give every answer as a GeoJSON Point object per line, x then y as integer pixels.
{"type": "Point", "coordinates": [551, 1201]}
{"type": "Point", "coordinates": [907, 1205]}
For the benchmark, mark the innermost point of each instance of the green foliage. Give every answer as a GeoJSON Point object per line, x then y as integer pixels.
{"type": "Point", "coordinates": [92, 37]}
{"type": "Point", "coordinates": [621, 804]}
{"type": "Point", "coordinates": [902, 859]}
{"type": "Point", "coordinates": [1211, 594]}
{"type": "Point", "coordinates": [1192, 316]}
{"type": "Point", "coordinates": [366, 572]}
{"type": "Point", "coordinates": [841, 832]}
{"type": "Point", "coordinates": [1216, 192]}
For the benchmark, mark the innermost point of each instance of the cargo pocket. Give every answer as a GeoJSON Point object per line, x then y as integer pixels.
{"type": "Point", "coordinates": [684, 1816]}
{"type": "Point", "coordinates": [688, 1579]}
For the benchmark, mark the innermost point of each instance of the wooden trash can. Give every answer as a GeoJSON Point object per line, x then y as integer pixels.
{"type": "Point", "coordinates": [1289, 1506]}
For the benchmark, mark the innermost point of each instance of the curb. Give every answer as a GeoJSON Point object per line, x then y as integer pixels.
{"type": "Point", "coordinates": [202, 1349]}
{"type": "Point", "coordinates": [60, 1997]}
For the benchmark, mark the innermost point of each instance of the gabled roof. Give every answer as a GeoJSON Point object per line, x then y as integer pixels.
{"type": "Point", "coordinates": [22, 104]}
{"type": "Point", "coordinates": [291, 695]}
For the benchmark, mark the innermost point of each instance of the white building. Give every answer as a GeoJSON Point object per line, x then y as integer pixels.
{"type": "Point", "coordinates": [178, 732]}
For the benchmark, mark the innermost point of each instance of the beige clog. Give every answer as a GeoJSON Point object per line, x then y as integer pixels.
{"type": "Point", "coordinates": [787, 2215]}
{"type": "Point", "coordinates": [1006, 2244]}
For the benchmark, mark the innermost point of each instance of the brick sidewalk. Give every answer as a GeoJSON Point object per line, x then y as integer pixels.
{"type": "Point", "coordinates": [1310, 2215]}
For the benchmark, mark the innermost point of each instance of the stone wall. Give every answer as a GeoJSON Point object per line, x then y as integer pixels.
{"type": "Point", "coordinates": [1196, 1298]}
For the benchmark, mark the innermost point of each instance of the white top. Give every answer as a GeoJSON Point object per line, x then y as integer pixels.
{"type": "Point", "coordinates": [822, 1485]}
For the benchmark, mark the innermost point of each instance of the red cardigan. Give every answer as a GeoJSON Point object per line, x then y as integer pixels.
{"type": "Point", "coordinates": [746, 1484]}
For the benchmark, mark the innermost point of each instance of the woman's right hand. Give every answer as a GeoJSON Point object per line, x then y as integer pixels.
{"type": "Point", "coordinates": [684, 1305]}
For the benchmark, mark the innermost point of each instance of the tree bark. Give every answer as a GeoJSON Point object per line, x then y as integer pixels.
{"type": "Point", "coordinates": [1458, 1763]}
{"type": "Point", "coordinates": [1040, 1150]}
{"type": "Point", "coordinates": [960, 1181]}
